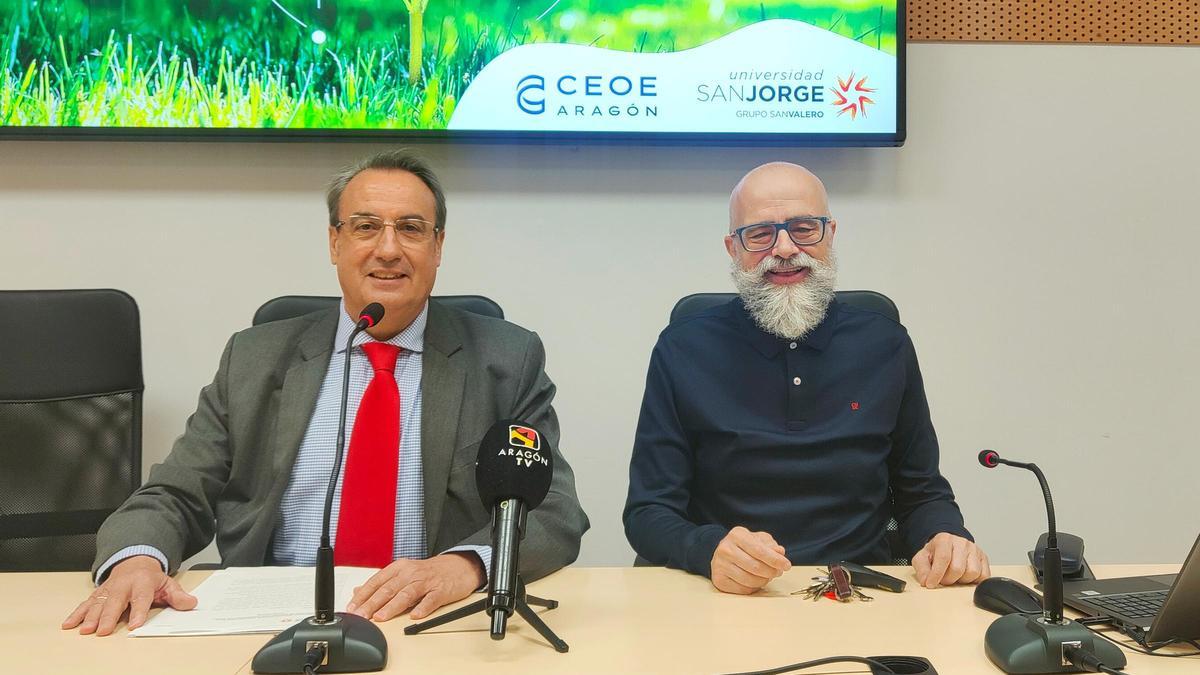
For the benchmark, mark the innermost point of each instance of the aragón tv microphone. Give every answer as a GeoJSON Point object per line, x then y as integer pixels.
{"type": "Point", "coordinates": [513, 471]}
{"type": "Point", "coordinates": [1046, 643]}
{"type": "Point", "coordinates": [512, 474]}
{"type": "Point", "coordinates": [338, 642]}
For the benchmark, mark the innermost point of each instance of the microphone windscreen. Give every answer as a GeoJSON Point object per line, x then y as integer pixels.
{"type": "Point", "coordinates": [373, 313]}
{"type": "Point", "coordinates": [515, 461]}
{"type": "Point", "coordinates": [989, 458]}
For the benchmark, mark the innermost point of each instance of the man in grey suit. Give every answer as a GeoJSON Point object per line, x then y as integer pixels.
{"type": "Point", "coordinates": [251, 466]}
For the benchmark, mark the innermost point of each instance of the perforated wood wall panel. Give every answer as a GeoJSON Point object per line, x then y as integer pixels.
{"type": "Point", "coordinates": [1101, 21]}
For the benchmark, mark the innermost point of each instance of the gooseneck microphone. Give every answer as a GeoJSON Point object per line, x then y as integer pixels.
{"type": "Point", "coordinates": [513, 471]}
{"type": "Point", "coordinates": [1052, 587]}
{"type": "Point", "coordinates": [347, 643]}
{"type": "Point", "coordinates": [1026, 643]}
{"type": "Point", "coordinates": [370, 316]}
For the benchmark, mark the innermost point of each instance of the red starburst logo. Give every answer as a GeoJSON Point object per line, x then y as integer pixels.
{"type": "Point", "coordinates": [851, 96]}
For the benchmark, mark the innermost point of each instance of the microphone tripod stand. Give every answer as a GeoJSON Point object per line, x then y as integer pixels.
{"type": "Point", "coordinates": [499, 609]}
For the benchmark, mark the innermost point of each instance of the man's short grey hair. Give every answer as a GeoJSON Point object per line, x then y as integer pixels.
{"type": "Point", "coordinates": [391, 160]}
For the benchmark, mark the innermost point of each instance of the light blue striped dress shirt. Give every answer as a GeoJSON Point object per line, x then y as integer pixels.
{"type": "Point", "coordinates": [296, 539]}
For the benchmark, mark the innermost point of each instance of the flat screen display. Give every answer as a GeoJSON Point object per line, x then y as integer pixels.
{"type": "Point", "coordinates": [819, 71]}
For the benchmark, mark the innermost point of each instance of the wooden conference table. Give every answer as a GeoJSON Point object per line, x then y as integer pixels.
{"type": "Point", "coordinates": [616, 620]}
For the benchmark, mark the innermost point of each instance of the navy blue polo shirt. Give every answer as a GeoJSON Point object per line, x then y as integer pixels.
{"type": "Point", "coordinates": [817, 441]}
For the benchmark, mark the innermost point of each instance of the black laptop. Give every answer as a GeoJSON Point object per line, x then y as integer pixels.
{"type": "Point", "coordinates": [1164, 607]}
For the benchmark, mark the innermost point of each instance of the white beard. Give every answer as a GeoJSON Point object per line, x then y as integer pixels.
{"type": "Point", "coordinates": [790, 310]}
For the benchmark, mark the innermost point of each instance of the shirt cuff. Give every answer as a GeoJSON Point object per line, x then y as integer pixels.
{"type": "Point", "coordinates": [701, 545]}
{"type": "Point", "coordinates": [485, 557]}
{"type": "Point", "coordinates": [129, 552]}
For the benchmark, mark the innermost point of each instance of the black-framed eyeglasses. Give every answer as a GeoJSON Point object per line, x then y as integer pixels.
{"type": "Point", "coordinates": [369, 228]}
{"type": "Point", "coordinates": [803, 230]}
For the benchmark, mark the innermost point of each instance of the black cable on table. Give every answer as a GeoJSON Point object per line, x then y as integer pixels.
{"type": "Point", "coordinates": [821, 662]}
{"type": "Point", "coordinates": [1148, 649]}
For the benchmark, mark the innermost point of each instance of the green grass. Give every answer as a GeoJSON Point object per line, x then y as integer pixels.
{"type": "Point", "coordinates": [144, 63]}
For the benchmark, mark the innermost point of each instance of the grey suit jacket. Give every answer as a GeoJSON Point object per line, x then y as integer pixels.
{"type": "Point", "coordinates": [227, 473]}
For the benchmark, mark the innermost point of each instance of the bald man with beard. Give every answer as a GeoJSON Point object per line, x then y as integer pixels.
{"type": "Point", "coordinates": [785, 427]}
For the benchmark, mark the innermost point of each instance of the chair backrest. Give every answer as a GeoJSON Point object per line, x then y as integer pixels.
{"type": "Point", "coordinates": [70, 422]}
{"type": "Point", "coordinates": [871, 300]}
{"type": "Point", "coordinates": [289, 306]}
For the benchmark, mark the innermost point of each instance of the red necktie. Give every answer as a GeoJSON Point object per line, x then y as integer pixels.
{"type": "Point", "coordinates": [367, 519]}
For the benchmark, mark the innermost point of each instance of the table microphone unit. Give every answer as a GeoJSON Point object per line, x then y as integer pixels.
{"type": "Point", "coordinates": [512, 475]}
{"type": "Point", "coordinates": [1023, 643]}
{"type": "Point", "coordinates": [340, 642]}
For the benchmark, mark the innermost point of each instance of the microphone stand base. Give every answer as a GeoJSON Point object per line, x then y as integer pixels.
{"type": "Point", "coordinates": [521, 604]}
{"type": "Point", "coordinates": [1026, 643]}
{"type": "Point", "coordinates": [353, 645]}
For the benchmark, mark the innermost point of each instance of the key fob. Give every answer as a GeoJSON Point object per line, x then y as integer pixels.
{"type": "Point", "coordinates": [841, 583]}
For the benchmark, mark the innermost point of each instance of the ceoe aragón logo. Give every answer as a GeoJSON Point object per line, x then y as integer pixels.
{"type": "Point", "coordinates": [531, 94]}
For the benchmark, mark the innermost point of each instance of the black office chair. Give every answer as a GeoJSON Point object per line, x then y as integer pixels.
{"type": "Point", "coordinates": [288, 306]}
{"type": "Point", "coordinates": [869, 300]}
{"type": "Point", "coordinates": [70, 422]}
{"type": "Point", "coordinates": [291, 306]}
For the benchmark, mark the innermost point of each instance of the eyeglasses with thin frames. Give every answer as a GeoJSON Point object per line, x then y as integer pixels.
{"type": "Point", "coordinates": [370, 228]}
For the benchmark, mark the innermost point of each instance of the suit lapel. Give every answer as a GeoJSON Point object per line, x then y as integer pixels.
{"type": "Point", "coordinates": [298, 398]}
{"type": "Point", "coordinates": [443, 379]}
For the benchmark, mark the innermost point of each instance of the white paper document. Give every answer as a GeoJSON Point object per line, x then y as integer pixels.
{"type": "Point", "coordinates": [242, 600]}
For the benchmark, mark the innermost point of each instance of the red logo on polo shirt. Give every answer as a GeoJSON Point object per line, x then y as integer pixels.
{"type": "Point", "coordinates": [854, 405]}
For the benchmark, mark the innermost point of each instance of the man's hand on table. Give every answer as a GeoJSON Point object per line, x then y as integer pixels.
{"type": "Point", "coordinates": [947, 559]}
{"type": "Point", "coordinates": [418, 587]}
{"type": "Point", "coordinates": [134, 585]}
{"type": "Point", "coordinates": [746, 561]}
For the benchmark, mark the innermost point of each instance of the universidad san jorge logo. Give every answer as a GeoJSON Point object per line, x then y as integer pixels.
{"type": "Point", "coordinates": [850, 96]}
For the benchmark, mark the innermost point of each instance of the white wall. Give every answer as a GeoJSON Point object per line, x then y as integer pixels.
{"type": "Point", "coordinates": [1038, 232]}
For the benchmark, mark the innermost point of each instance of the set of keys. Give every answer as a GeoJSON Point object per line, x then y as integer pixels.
{"type": "Point", "coordinates": [836, 584]}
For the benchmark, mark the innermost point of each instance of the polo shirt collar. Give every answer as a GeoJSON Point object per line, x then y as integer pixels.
{"type": "Point", "coordinates": [769, 345]}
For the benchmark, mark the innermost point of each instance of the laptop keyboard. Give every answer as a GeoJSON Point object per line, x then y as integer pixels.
{"type": "Point", "coordinates": [1132, 604]}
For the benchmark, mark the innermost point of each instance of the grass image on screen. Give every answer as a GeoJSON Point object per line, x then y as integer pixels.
{"type": "Point", "coordinates": [331, 64]}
